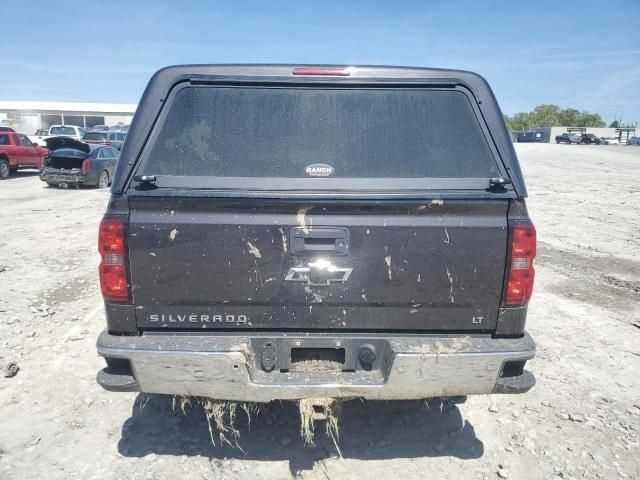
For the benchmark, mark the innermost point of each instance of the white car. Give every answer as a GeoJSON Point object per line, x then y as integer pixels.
{"type": "Point", "coordinates": [610, 140]}
{"type": "Point", "coordinates": [56, 131]}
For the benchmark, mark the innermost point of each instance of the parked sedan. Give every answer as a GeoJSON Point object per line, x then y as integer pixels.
{"type": "Point", "coordinates": [633, 141]}
{"type": "Point", "coordinates": [74, 163]}
{"type": "Point", "coordinates": [610, 140]}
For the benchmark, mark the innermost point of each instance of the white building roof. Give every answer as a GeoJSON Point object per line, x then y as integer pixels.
{"type": "Point", "coordinates": [35, 106]}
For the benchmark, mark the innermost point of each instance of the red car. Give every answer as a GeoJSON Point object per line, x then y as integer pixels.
{"type": "Point", "coordinates": [17, 151]}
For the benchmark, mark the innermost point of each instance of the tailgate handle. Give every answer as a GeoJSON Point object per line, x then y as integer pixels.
{"type": "Point", "coordinates": [328, 240]}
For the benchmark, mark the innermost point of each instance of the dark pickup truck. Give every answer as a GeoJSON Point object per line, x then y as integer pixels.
{"type": "Point", "coordinates": [589, 139]}
{"type": "Point", "coordinates": [282, 232]}
{"type": "Point", "coordinates": [569, 138]}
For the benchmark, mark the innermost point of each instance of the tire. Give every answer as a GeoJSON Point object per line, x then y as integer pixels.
{"type": "Point", "coordinates": [103, 181]}
{"type": "Point", "coordinates": [5, 171]}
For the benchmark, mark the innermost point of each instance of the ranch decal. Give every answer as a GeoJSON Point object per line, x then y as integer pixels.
{"type": "Point", "coordinates": [319, 170]}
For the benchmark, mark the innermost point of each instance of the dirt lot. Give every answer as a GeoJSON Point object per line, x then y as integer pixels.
{"type": "Point", "coordinates": [582, 420]}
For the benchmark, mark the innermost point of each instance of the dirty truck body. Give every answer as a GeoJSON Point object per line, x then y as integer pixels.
{"type": "Point", "coordinates": [282, 232]}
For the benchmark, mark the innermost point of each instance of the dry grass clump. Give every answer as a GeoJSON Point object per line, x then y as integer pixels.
{"type": "Point", "coordinates": [315, 409]}
{"type": "Point", "coordinates": [221, 414]}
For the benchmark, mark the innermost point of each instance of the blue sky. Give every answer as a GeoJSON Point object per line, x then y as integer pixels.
{"type": "Point", "coordinates": [584, 55]}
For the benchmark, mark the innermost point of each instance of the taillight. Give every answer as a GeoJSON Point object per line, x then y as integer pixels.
{"type": "Point", "coordinates": [85, 166]}
{"type": "Point", "coordinates": [322, 71]}
{"type": "Point", "coordinates": [519, 285]}
{"type": "Point", "coordinates": [113, 267]}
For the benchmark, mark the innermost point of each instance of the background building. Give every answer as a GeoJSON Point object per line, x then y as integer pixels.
{"type": "Point", "coordinates": [27, 117]}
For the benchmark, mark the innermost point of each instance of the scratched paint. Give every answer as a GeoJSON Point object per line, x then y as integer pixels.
{"type": "Point", "coordinates": [253, 250]}
{"type": "Point", "coordinates": [285, 246]}
{"type": "Point", "coordinates": [450, 285]}
{"type": "Point", "coordinates": [301, 217]}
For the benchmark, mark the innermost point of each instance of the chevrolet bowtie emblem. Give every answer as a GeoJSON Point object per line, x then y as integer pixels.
{"type": "Point", "coordinates": [320, 273]}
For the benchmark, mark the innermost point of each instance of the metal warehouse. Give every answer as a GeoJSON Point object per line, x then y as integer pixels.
{"type": "Point", "coordinates": [27, 117]}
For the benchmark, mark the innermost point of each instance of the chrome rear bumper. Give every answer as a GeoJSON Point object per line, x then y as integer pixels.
{"type": "Point", "coordinates": [228, 366]}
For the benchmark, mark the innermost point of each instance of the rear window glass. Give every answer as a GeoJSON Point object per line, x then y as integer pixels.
{"type": "Point", "coordinates": [94, 136]}
{"type": "Point", "coordinates": [62, 131]}
{"type": "Point", "coordinates": [361, 133]}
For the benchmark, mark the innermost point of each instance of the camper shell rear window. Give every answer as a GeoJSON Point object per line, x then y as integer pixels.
{"type": "Point", "coordinates": [318, 137]}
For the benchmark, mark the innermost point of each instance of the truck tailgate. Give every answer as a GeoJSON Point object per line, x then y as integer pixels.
{"type": "Point", "coordinates": [207, 263]}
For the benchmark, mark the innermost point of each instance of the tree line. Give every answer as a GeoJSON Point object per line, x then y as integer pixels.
{"type": "Point", "coordinates": [553, 116]}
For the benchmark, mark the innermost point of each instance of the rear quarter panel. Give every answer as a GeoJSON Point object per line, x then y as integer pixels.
{"type": "Point", "coordinates": [112, 168]}
{"type": "Point", "coordinates": [98, 165]}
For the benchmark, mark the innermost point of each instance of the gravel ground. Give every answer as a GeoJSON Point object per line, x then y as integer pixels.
{"type": "Point", "coordinates": [582, 420]}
